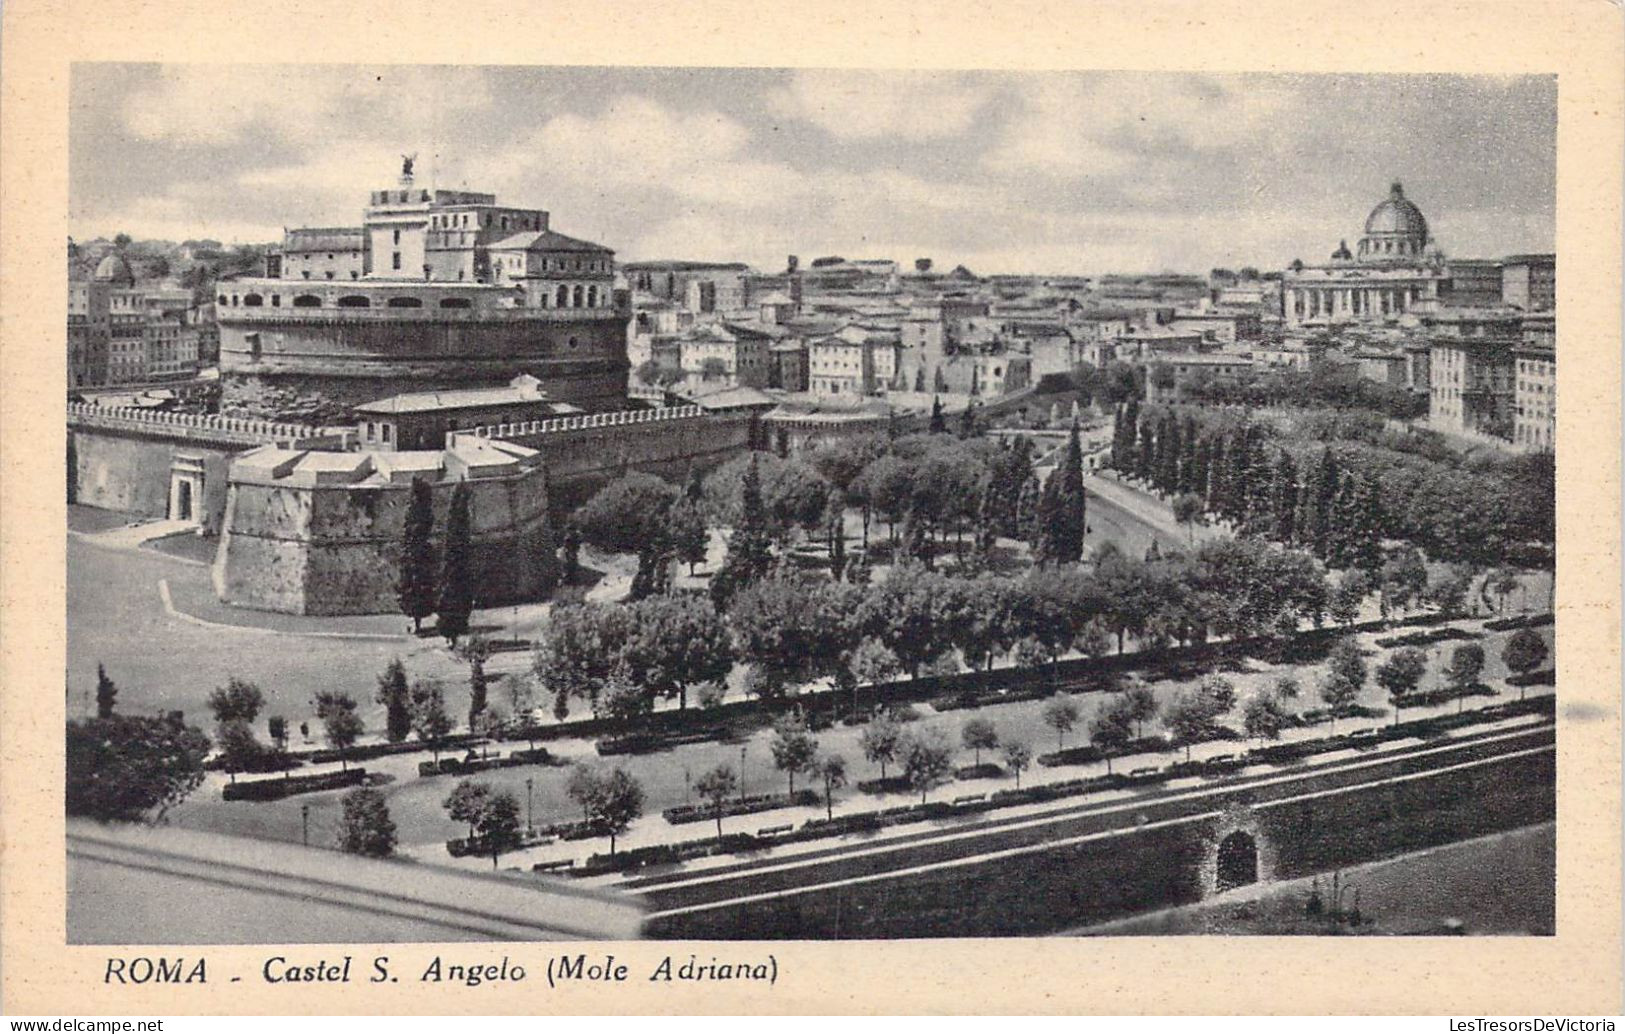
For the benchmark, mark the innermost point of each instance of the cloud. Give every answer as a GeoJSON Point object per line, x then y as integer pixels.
{"type": "Point", "coordinates": [1112, 125]}
{"type": "Point", "coordinates": [215, 105]}
{"type": "Point", "coordinates": [859, 104]}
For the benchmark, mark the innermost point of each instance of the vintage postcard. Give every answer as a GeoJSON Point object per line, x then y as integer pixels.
{"type": "Point", "coordinates": [987, 516]}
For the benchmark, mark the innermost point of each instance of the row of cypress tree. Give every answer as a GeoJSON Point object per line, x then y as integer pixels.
{"type": "Point", "coordinates": [1332, 512]}
{"type": "Point", "coordinates": [444, 588]}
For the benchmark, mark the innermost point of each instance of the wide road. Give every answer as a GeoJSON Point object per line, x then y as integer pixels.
{"type": "Point", "coordinates": [974, 840]}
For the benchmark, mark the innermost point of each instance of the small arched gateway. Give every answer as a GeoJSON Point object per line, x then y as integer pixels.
{"type": "Point", "coordinates": [1237, 862]}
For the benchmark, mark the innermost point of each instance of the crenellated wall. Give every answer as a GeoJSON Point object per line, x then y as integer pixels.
{"type": "Point", "coordinates": [583, 453]}
{"type": "Point", "coordinates": [121, 459]}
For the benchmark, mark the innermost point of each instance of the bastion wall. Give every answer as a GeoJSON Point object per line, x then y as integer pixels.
{"type": "Point", "coordinates": [336, 548]}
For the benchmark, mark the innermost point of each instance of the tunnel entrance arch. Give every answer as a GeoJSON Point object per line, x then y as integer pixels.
{"type": "Point", "coordinates": [1237, 861]}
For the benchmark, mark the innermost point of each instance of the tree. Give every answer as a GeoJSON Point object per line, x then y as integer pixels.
{"type": "Point", "coordinates": [456, 601]}
{"type": "Point", "coordinates": [1524, 652]}
{"type": "Point", "coordinates": [679, 641]}
{"type": "Point", "coordinates": [835, 534]}
{"type": "Point", "coordinates": [237, 700]}
{"type": "Point", "coordinates": [978, 734]}
{"type": "Point", "coordinates": [687, 532]}
{"type": "Point", "coordinates": [365, 827]}
{"type": "Point", "coordinates": [430, 720]}
{"type": "Point", "coordinates": [628, 515]}
{"type": "Point", "coordinates": [926, 760]}
{"type": "Point", "coordinates": [341, 721]}
{"type": "Point", "coordinates": [475, 650]}
{"type": "Point", "coordinates": [582, 786]}
{"type": "Point", "coordinates": [880, 739]}
{"type": "Point", "coordinates": [1263, 717]}
{"type": "Point", "coordinates": [1345, 600]}
{"type": "Point", "coordinates": [616, 803]}
{"type": "Point", "coordinates": [1344, 679]}
{"type": "Point", "coordinates": [1189, 718]}
{"type": "Point", "coordinates": [831, 768]}
{"type": "Point", "coordinates": [1400, 673]}
{"type": "Point", "coordinates": [1142, 707]}
{"type": "Point", "coordinates": [129, 769]}
{"type": "Point", "coordinates": [717, 786]}
{"type": "Point", "coordinates": [396, 698]}
{"type": "Point", "coordinates": [238, 748]}
{"type": "Point", "coordinates": [1217, 694]}
{"type": "Point", "coordinates": [1017, 756]}
{"type": "Point", "coordinates": [1466, 664]}
{"type": "Point", "coordinates": [416, 586]}
{"type": "Point", "coordinates": [1061, 714]}
{"type": "Point", "coordinates": [794, 748]}
{"type": "Point", "coordinates": [106, 693]}
{"type": "Point", "coordinates": [939, 423]}
{"type": "Point", "coordinates": [749, 551]}
{"type": "Point", "coordinates": [1111, 729]}
{"type": "Point", "coordinates": [1286, 687]}
{"type": "Point", "coordinates": [1061, 518]}
{"type": "Point", "coordinates": [1404, 578]}
{"type": "Point", "coordinates": [870, 662]}
{"type": "Point", "coordinates": [1188, 511]}
{"type": "Point", "coordinates": [276, 727]}
{"type": "Point", "coordinates": [579, 644]}
{"type": "Point", "coordinates": [498, 826]}
{"type": "Point", "coordinates": [466, 802]}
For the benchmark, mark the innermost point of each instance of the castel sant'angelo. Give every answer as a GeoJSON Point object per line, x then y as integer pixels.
{"type": "Point", "coordinates": [435, 289]}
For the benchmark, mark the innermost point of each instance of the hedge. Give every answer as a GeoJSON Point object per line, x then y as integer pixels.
{"type": "Point", "coordinates": [1426, 638]}
{"type": "Point", "coordinates": [461, 847]}
{"type": "Point", "coordinates": [276, 789]}
{"type": "Point", "coordinates": [1543, 677]}
{"type": "Point", "coordinates": [1522, 621]}
{"type": "Point", "coordinates": [471, 766]}
{"type": "Point", "coordinates": [645, 742]}
{"type": "Point", "coordinates": [749, 806]}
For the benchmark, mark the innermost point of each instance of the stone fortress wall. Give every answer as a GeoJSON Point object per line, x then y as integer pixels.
{"type": "Point", "coordinates": [121, 459]}
{"type": "Point", "coordinates": [326, 543]}
{"type": "Point", "coordinates": [306, 543]}
{"type": "Point", "coordinates": [583, 453]}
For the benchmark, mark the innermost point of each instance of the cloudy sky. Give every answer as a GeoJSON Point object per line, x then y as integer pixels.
{"type": "Point", "coordinates": [1004, 172]}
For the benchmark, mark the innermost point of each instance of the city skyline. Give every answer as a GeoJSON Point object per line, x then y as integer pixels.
{"type": "Point", "coordinates": [1002, 172]}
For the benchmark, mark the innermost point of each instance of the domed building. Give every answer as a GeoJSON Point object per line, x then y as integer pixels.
{"type": "Point", "coordinates": [1395, 230]}
{"type": "Point", "coordinates": [1394, 269]}
{"type": "Point", "coordinates": [114, 269]}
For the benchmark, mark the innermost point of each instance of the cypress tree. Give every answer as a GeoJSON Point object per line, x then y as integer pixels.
{"type": "Point", "coordinates": [397, 700]}
{"type": "Point", "coordinates": [416, 587]}
{"type": "Point", "coordinates": [456, 573]}
{"type": "Point", "coordinates": [749, 555]}
{"type": "Point", "coordinates": [1117, 438]}
{"type": "Point", "coordinates": [1219, 475]}
{"type": "Point", "coordinates": [939, 424]}
{"type": "Point", "coordinates": [1342, 526]}
{"type": "Point", "coordinates": [1061, 509]}
{"type": "Point", "coordinates": [106, 693]}
{"type": "Point", "coordinates": [1365, 547]}
{"type": "Point", "coordinates": [1322, 494]}
{"type": "Point", "coordinates": [544, 546]}
{"type": "Point", "coordinates": [1146, 454]}
{"type": "Point", "coordinates": [1284, 497]}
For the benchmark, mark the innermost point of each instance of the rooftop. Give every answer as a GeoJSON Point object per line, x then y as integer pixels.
{"type": "Point", "coordinates": [523, 389]}
{"type": "Point", "coordinates": [547, 240]}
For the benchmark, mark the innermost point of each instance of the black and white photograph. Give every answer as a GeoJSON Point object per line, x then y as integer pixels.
{"type": "Point", "coordinates": [756, 504]}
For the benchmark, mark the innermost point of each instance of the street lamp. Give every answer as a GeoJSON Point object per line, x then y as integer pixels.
{"type": "Point", "coordinates": [530, 821]}
{"type": "Point", "coordinates": [304, 816]}
{"type": "Point", "coordinates": [742, 747]}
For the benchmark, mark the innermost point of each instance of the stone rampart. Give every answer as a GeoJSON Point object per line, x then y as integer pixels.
{"type": "Point", "coordinates": [305, 545]}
